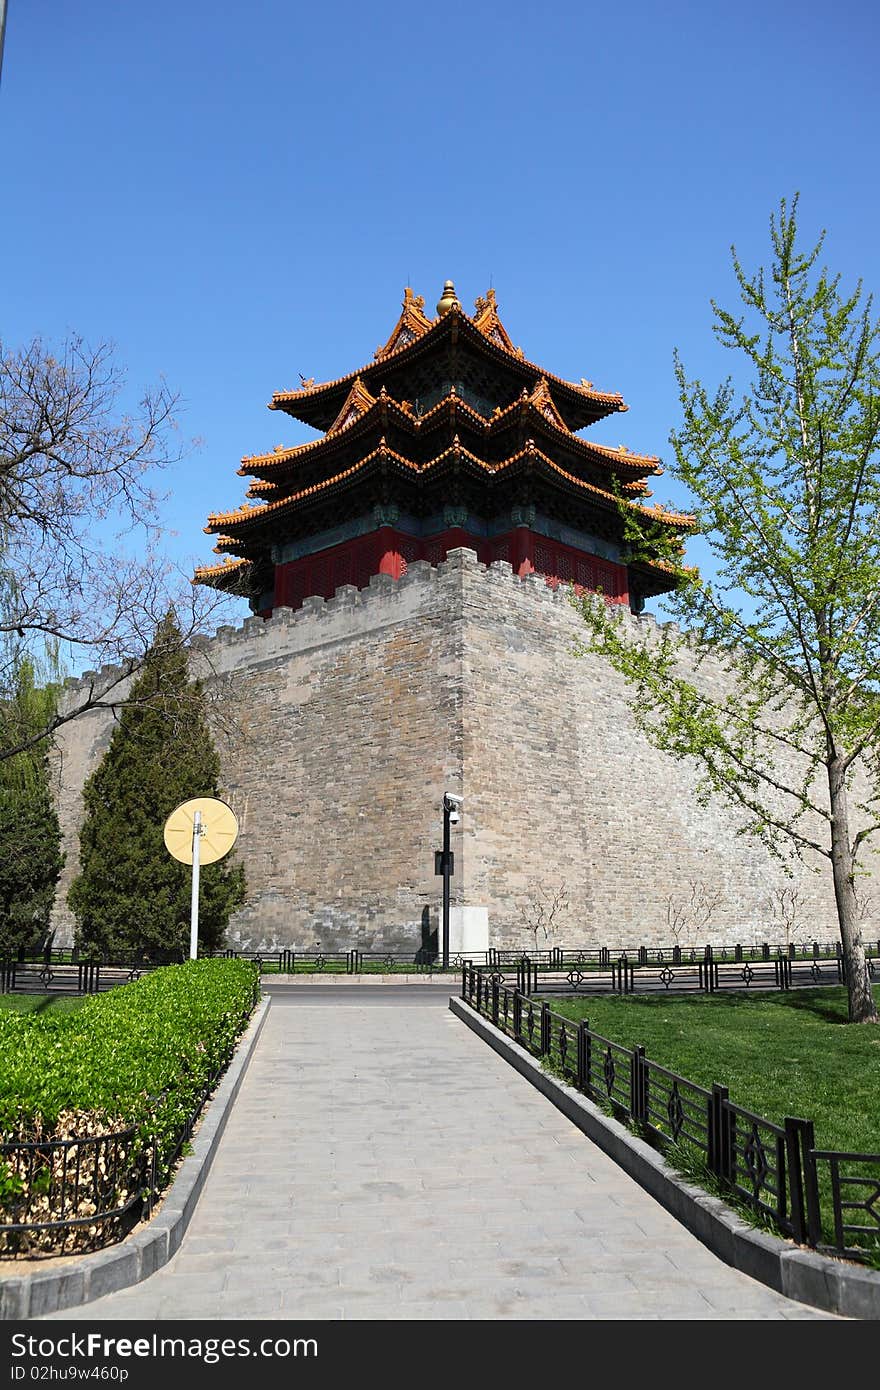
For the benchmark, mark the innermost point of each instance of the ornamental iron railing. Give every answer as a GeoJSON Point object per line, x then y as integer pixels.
{"type": "Point", "coordinates": [706, 974]}
{"type": "Point", "coordinates": [600, 969]}
{"type": "Point", "coordinates": [821, 1198]}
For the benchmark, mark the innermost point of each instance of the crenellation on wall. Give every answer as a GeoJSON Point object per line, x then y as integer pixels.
{"type": "Point", "coordinates": [347, 719]}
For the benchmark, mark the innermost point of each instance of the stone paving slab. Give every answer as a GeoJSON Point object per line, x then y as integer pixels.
{"type": "Point", "coordinates": [384, 1163]}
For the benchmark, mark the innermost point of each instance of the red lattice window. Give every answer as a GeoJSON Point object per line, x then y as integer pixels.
{"type": "Point", "coordinates": [409, 551]}
{"type": "Point", "coordinates": [543, 560]}
{"type": "Point", "coordinates": [586, 573]}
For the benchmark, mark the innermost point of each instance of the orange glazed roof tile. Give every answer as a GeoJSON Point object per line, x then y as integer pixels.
{"type": "Point", "coordinates": [247, 515]}
{"type": "Point", "coordinates": [360, 402]}
{"type": "Point", "coordinates": [356, 403]}
{"type": "Point", "coordinates": [226, 566]}
{"type": "Point", "coordinates": [400, 343]}
{"type": "Point", "coordinates": [411, 325]}
{"type": "Point", "coordinates": [490, 325]}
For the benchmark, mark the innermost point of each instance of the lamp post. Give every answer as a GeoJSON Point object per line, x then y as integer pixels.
{"type": "Point", "coordinates": [445, 865]}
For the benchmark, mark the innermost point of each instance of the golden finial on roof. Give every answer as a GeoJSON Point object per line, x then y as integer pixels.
{"type": "Point", "coordinates": [448, 299]}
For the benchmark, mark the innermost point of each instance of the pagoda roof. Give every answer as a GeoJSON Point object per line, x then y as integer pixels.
{"type": "Point", "coordinates": [229, 573]}
{"type": "Point", "coordinates": [247, 518]}
{"type": "Point", "coordinates": [361, 408]}
{"type": "Point", "coordinates": [413, 335]}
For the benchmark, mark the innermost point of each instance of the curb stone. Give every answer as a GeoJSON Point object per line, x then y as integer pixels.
{"type": "Point", "coordinates": [352, 981]}
{"type": "Point", "coordinates": [835, 1286]}
{"type": "Point", "coordinates": [87, 1277]}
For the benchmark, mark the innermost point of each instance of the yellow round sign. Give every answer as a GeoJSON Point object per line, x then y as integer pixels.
{"type": "Point", "coordinates": [218, 824]}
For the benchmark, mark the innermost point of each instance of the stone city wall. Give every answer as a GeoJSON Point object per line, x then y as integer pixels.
{"type": "Point", "coordinates": [341, 724]}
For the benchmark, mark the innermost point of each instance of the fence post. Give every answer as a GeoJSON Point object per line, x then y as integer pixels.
{"type": "Point", "coordinates": [765, 950]}
{"type": "Point", "coordinates": [545, 1029]}
{"type": "Point", "coordinates": [719, 1132]}
{"type": "Point", "coordinates": [604, 957]}
{"type": "Point", "coordinates": [494, 1001]}
{"type": "Point", "coordinates": [795, 1153]}
{"type": "Point", "coordinates": [583, 1056]}
{"type": "Point", "coordinates": [517, 1014]}
{"type": "Point", "coordinates": [737, 952]}
{"type": "Point", "coordinates": [643, 955]}
{"type": "Point", "coordinates": [813, 1232]}
{"type": "Point", "coordinates": [637, 1087]}
{"type": "Point", "coordinates": [676, 955]}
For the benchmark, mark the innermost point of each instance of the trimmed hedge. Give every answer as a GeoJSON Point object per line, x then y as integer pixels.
{"type": "Point", "coordinates": [142, 1054]}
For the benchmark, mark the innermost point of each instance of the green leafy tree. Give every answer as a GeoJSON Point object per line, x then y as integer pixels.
{"type": "Point", "coordinates": [30, 838]}
{"type": "Point", "coordinates": [130, 893]}
{"type": "Point", "coordinates": [785, 476]}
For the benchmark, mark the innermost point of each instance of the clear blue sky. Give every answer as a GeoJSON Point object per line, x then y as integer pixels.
{"type": "Point", "coordinates": [236, 195]}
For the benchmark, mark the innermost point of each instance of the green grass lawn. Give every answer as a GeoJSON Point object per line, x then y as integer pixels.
{"type": "Point", "coordinates": [779, 1054]}
{"type": "Point", "coordinates": [41, 1003]}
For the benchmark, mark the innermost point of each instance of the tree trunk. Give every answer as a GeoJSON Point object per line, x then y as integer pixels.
{"type": "Point", "coordinates": [862, 1008]}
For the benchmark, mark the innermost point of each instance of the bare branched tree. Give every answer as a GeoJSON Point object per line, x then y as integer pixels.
{"type": "Point", "coordinates": [81, 572]}
{"type": "Point", "coordinates": [689, 911]}
{"type": "Point", "coordinates": [786, 906]}
{"type": "Point", "coordinates": [543, 910]}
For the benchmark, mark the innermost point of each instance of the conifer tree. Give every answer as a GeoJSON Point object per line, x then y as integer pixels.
{"type": "Point", "coordinates": [30, 836]}
{"type": "Point", "coordinates": [130, 893]}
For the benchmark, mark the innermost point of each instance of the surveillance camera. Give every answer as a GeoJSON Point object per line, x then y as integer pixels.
{"type": "Point", "coordinates": [453, 800]}
{"type": "Point", "coordinates": [454, 817]}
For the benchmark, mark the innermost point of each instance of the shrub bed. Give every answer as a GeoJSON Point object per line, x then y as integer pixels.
{"type": "Point", "coordinates": [139, 1059]}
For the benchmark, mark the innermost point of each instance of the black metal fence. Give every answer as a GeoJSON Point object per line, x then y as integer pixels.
{"type": "Point", "coordinates": [601, 969]}
{"type": "Point", "coordinates": [708, 973]}
{"type": "Point", "coordinates": [344, 962]}
{"type": "Point", "coordinates": [69, 972]}
{"type": "Point", "coordinates": [825, 1199]}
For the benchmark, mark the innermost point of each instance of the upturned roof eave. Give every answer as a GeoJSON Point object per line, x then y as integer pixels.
{"type": "Point", "coordinates": [268, 467]}
{"type": "Point", "coordinates": [596, 405]}
{"type": "Point", "coordinates": [255, 517]}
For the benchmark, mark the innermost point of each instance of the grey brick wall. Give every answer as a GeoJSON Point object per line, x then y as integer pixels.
{"type": "Point", "coordinates": [340, 726]}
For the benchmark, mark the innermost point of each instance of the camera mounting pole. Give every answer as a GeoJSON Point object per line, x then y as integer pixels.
{"type": "Point", "coordinates": [444, 864]}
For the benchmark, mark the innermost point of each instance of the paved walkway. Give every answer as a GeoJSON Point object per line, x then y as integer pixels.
{"type": "Point", "coordinates": [382, 1162]}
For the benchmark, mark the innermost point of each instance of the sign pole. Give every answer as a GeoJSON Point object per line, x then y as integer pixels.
{"type": "Point", "coordinates": [194, 907]}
